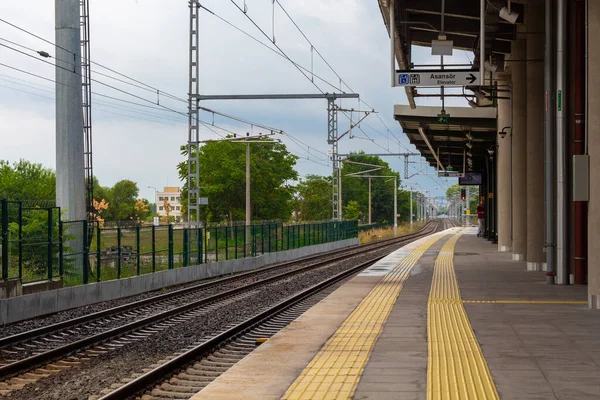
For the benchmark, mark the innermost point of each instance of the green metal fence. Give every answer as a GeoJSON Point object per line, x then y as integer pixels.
{"type": "Point", "coordinates": [36, 245]}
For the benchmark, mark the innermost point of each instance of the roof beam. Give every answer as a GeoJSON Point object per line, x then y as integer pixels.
{"type": "Point", "coordinates": [460, 26]}
{"type": "Point", "coordinates": [424, 38]}
{"type": "Point", "coordinates": [453, 8]}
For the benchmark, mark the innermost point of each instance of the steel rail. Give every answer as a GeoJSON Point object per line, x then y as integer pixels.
{"type": "Point", "coordinates": [31, 334]}
{"type": "Point", "coordinates": [164, 370]}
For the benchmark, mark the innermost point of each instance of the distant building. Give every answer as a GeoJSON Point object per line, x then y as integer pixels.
{"type": "Point", "coordinates": [172, 195]}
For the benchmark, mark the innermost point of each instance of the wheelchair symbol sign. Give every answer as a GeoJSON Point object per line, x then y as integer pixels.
{"type": "Point", "coordinates": [409, 79]}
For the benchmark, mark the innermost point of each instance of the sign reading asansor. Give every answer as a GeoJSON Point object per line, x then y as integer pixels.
{"type": "Point", "coordinates": [438, 78]}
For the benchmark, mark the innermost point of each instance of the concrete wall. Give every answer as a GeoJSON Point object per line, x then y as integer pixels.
{"type": "Point", "coordinates": [34, 305]}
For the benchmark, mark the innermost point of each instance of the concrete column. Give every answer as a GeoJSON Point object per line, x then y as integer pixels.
{"type": "Point", "coordinates": [519, 147]}
{"type": "Point", "coordinates": [70, 174]}
{"type": "Point", "coordinates": [504, 177]}
{"type": "Point", "coordinates": [535, 255]}
{"type": "Point", "coordinates": [593, 121]}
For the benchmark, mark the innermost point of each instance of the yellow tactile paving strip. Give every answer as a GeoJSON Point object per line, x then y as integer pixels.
{"type": "Point", "coordinates": [456, 366]}
{"type": "Point", "coordinates": [573, 302]}
{"type": "Point", "coordinates": [335, 371]}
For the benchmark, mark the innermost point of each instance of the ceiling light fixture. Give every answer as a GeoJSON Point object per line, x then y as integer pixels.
{"type": "Point", "coordinates": [508, 15]}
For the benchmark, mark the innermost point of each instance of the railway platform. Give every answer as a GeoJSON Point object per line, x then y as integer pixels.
{"type": "Point", "coordinates": [445, 317]}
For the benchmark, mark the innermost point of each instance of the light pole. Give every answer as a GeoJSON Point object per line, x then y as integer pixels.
{"type": "Point", "coordinates": [155, 200]}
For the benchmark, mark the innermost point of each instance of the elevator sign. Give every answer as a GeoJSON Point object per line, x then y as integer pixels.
{"type": "Point", "coordinates": [438, 78]}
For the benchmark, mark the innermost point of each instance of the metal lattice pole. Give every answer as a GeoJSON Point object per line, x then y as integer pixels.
{"type": "Point", "coordinates": [332, 139]}
{"type": "Point", "coordinates": [193, 132]}
{"type": "Point", "coordinates": [86, 85]}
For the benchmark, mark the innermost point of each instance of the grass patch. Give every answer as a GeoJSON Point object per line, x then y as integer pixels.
{"type": "Point", "coordinates": [387, 233]}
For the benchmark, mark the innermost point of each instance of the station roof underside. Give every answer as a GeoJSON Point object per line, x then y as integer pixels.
{"type": "Point", "coordinates": [418, 22]}
{"type": "Point", "coordinates": [449, 139]}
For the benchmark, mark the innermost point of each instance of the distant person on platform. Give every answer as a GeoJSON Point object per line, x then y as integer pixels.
{"type": "Point", "coordinates": [481, 219]}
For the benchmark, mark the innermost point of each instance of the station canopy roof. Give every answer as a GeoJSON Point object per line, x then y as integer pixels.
{"type": "Point", "coordinates": [449, 140]}
{"type": "Point", "coordinates": [418, 22]}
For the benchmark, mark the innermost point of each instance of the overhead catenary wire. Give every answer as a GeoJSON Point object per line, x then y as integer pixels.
{"type": "Point", "coordinates": [276, 45]}
{"type": "Point", "coordinates": [90, 61]}
{"type": "Point", "coordinates": [93, 80]}
{"type": "Point", "coordinates": [270, 48]}
{"type": "Point", "coordinates": [153, 106]}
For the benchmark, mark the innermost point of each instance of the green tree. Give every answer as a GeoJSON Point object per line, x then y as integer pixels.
{"type": "Point", "coordinates": [352, 211]}
{"type": "Point", "coordinates": [223, 180]}
{"type": "Point", "coordinates": [24, 180]}
{"type": "Point", "coordinates": [314, 198]}
{"type": "Point", "coordinates": [121, 198]}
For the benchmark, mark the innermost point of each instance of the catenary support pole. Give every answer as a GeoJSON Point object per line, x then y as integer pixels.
{"type": "Point", "coordinates": [395, 206]}
{"type": "Point", "coordinates": [248, 205]}
{"type": "Point", "coordinates": [411, 209]}
{"type": "Point", "coordinates": [70, 165]}
{"type": "Point", "coordinates": [370, 201]}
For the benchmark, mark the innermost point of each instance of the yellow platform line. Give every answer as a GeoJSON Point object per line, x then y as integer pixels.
{"type": "Point", "coordinates": [574, 302]}
{"type": "Point", "coordinates": [456, 366]}
{"type": "Point", "coordinates": [335, 371]}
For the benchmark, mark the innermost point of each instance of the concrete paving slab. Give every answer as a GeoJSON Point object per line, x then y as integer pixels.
{"type": "Point", "coordinates": [541, 351]}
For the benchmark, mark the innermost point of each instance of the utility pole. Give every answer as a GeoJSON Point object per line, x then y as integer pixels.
{"type": "Point", "coordinates": [411, 211]}
{"type": "Point", "coordinates": [248, 211]}
{"type": "Point", "coordinates": [395, 206]}
{"type": "Point", "coordinates": [370, 201]}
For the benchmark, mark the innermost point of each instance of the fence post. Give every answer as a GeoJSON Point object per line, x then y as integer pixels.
{"type": "Point", "coordinates": [49, 252]}
{"type": "Point", "coordinates": [186, 250]}
{"type": "Point", "coordinates": [61, 270]}
{"type": "Point", "coordinates": [269, 230]}
{"type": "Point", "coordinates": [138, 247]}
{"type": "Point", "coordinates": [86, 254]}
{"type": "Point", "coordinates": [170, 246]}
{"type": "Point", "coordinates": [226, 243]}
{"type": "Point", "coordinates": [21, 241]}
{"type": "Point", "coordinates": [153, 248]}
{"type": "Point", "coordinates": [216, 244]}
{"type": "Point", "coordinates": [262, 238]}
{"type": "Point", "coordinates": [98, 252]}
{"type": "Point", "coordinates": [245, 240]}
{"type": "Point", "coordinates": [235, 234]}
{"type": "Point", "coordinates": [253, 235]}
{"type": "Point", "coordinates": [199, 239]}
{"type": "Point", "coordinates": [4, 239]}
{"type": "Point", "coordinates": [118, 252]}
{"type": "Point", "coordinates": [276, 237]}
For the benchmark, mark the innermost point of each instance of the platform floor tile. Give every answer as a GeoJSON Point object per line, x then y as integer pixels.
{"type": "Point", "coordinates": [336, 370]}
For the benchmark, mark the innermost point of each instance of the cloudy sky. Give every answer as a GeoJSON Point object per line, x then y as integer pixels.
{"type": "Point", "coordinates": [148, 40]}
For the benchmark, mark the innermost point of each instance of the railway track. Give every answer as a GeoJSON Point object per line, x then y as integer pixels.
{"type": "Point", "coordinates": [40, 353]}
